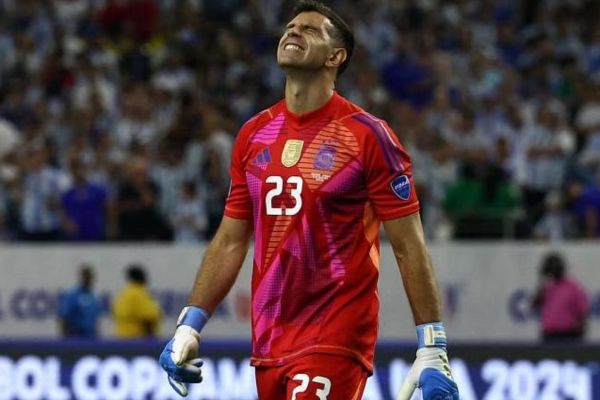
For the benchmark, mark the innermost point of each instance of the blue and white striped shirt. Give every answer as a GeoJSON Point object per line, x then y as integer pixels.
{"type": "Point", "coordinates": [42, 190]}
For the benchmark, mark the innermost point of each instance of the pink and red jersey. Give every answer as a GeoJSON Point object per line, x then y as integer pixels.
{"type": "Point", "coordinates": [316, 187]}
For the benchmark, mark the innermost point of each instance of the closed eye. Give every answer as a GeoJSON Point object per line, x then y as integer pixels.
{"type": "Point", "coordinates": [308, 28]}
{"type": "Point", "coordinates": [311, 29]}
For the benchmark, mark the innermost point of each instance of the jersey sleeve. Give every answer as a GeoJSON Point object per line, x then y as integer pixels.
{"type": "Point", "coordinates": [388, 172]}
{"type": "Point", "coordinates": [238, 204]}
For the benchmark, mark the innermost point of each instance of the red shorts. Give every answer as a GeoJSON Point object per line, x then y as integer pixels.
{"type": "Point", "coordinates": [313, 377]}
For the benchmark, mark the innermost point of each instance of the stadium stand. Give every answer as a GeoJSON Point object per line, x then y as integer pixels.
{"type": "Point", "coordinates": [497, 101]}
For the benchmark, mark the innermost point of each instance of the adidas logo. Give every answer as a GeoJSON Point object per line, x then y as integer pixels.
{"type": "Point", "coordinates": [264, 157]}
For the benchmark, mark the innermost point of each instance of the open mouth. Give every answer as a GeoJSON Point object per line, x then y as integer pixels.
{"type": "Point", "coordinates": [292, 47]}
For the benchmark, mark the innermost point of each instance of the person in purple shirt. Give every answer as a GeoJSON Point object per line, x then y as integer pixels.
{"type": "Point", "coordinates": [562, 302]}
{"type": "Point", "coordinates": [84, 207]}
{"type": "Point", "coordinates": [585, 205]}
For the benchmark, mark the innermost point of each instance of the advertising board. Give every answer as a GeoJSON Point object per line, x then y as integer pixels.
{"type": "Point", "coordinates": [117, 370]}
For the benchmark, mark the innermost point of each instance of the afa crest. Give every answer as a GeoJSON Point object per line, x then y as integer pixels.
{"type": "Point", "coordinates": [292, 151]}
{"type": "Point", "coordinates": [325, 158]}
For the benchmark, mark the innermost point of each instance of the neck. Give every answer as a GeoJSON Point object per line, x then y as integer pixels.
{"type": "Point", "coordinates": [307, 91]}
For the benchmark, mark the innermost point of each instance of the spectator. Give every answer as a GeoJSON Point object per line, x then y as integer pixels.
{"type": "Point", "coordinates": [585, 205]}
{"type": "Point", "coordinates": [217, 139]}
{"type": "Point", "coordinates": [169, 173]}
{"type": "Point", "coordinates": [189, 216]}
{"type": "Point", "coordinates": [141, 17]}
{"type": "Point", "coordinates": [10, 194]}
{"type": "Point", "coordinates": [563, 303]}
{"type": "Point", "coordinates": [136, 313]}
{"type": "Point", "coordinates": [214, 191]}
{"type": "Point", "coordinates": [85, 206]}
{"type": "Point", "coordinates": [108, 81]}
{"type": "Point", "coordinates": [135, 126]}
{"type": "Point", "coordinates": [482, 207]}
{"type": "Point", "coordinates": [470, 146]}
{"type": "Point", "coordinates": [509, 137]}
{"type": "Point", "coordinates": [80, 307]}
{"type": "Point", "coordinates": [587, 123]}
{"type": "Point", "coordinates": [9, 138]}
{"type": "Point", "coordinates": [434, 172]}
{"type": "Point", "coordinates": [556, 223]}
{"type": "Point", "coordinates": [547, 146]}
{"type": "Point", "coordinates": [592, 52]}
{"type": "Point", "coordinates": [137, 205]}
{"type": "Point", "coordinates": [40, 198]}
{"type": "Point", "coordinates": [409, 76]}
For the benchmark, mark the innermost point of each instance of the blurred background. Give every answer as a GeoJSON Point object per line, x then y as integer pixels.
{"type": "Point", "coordinates": [117, 119]}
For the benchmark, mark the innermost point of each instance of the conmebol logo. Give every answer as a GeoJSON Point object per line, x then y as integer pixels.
{"type": "Point", "coordinates": [401, 187]}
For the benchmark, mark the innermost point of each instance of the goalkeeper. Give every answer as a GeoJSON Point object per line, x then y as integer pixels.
{"type": "Point", "coordinates": [312, 178]}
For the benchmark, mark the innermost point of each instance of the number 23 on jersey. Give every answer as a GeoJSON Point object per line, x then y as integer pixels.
{"type": "Point", "coordinates": [295, 183]}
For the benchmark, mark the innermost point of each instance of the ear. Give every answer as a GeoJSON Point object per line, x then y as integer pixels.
{"type": "Point", "coordinates": [337, 57]}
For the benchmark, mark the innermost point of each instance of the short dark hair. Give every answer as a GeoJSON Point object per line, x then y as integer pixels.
{"type": "Point", "coordinates": [553, 266]}
{"type": "Point", "coordinates": [86, 273]}
{"type": "Point", "coordinates": [342, 31]}
{"type": "Point", "coordinates": [136, 273]}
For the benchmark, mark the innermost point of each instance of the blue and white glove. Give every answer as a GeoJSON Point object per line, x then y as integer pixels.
{"type": "Point", "coordinates": [180, 356]}
{"type": "Point", "coordinates": [431, 370]}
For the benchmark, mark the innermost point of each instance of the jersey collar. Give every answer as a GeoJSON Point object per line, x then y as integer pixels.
{"type": "Point", "coordinates": [316, 115]}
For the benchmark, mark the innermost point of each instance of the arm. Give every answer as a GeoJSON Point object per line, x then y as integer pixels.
{"type": "Point", "coordinates": [221, 263]}
{"type": "Point", "coordinates": [408, 243]}
{"type": "Point", "coordinates": [218, 271]}
{"type": "Point", "coordinates": [538, 299]}
{"type": "Point", "coordinates": [391, 189]}
{"type": "Point", "coordinates": [431, 369]}
{"type": "Point", "coordinates": [64, 309]}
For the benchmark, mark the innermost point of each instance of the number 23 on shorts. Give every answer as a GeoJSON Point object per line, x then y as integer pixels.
{"type": "Point", "coordinates": [322, 392]}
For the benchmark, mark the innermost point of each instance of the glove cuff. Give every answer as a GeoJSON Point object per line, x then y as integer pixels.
{"type": "Point", "coordinates": [194, 317]}
{"type": "Point", "coordinates": [431, 334]}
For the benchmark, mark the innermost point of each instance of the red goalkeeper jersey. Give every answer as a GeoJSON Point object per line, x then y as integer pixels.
{"type": "Point", "coordinates": [316, 187]}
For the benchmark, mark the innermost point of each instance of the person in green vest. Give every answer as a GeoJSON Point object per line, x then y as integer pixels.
{"type": "Point", "coordinates": [482, 204]}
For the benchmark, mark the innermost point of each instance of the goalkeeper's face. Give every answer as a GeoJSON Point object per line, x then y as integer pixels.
{"type": "Point", "coordinates": [306, 43]}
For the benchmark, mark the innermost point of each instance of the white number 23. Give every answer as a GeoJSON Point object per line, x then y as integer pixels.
{"type": "Point", "coordinates": [305, 379]}
{"type": "Point", "coordinates": [296, 192]}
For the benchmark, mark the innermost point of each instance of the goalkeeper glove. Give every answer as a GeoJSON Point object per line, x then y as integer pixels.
{"type": "Point", "coordinates": [179, 357]}
{"type": "Point", "coordinates": [431, 370]}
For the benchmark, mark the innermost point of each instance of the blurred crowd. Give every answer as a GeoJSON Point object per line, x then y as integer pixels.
{"type": "Point", "coordinates": [117, 117]}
